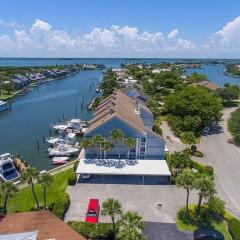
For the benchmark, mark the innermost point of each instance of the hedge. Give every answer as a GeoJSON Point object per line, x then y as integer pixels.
{"type": "Point", "coordinates": [60, 207]}
{"type": "Point", "coordinates": [100, 231]}
{"type": "Point", "coordinates": [203, 168]}
{"type": "Point", "coordinates": [234, 229]}
{"type": "Point", "coordinates": [72, 179]}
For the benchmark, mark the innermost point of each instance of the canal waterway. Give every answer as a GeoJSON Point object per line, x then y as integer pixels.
{"type": "Point", "coordinates": [32, 114]}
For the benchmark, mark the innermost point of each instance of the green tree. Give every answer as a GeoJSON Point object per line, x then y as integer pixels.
{"type": "Point", "coordinates": [206, 188]}
{"type": "Point", "coordinates": [112, 208]}
{"type": "Point", "coordinates": [192, 109]}
{"type": "Point", "coordinates": [98, 140]}
{"type": "Point", "coordinates": [107, 146]}
{"type": "Point", "coordinates": [129, 143]}
{"type": "Point", "coordinates": [116, 135]}
{"type": "Point", "coordinates": [131, 225]}
{"type": "Point", "coordinates": [87, 143]}
{"type": "Point", "coordinates": [188, 138]}
{"type": "Point", "coordinates": [186, 180]}
{"type": "Point", "coordinates": [178, 161]}
{"type": "Point", "coordinates": [7, 191]}
{"type": "Point", "coordinates": [45, 180]}
{"type": "Point", "coordinates": [229, 92]}
{"type": "Point", "coordinates": [29, 175]}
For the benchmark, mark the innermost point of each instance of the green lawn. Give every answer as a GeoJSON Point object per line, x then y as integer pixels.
{"type": "Point", "coordinates": [4, 96]}
{"type": "Point", "coordinates": [24, 200]}
{"type": "Point", "coordinates": [221, 227]}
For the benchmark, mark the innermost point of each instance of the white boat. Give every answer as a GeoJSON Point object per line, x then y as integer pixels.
{"type": "Point", "coordinates": [74, 124]}
{"type": "Point", "coordinates": [8, 172]}
{"type": "Point", "coordinates": [62, 150]}
{"type": "Point", "coordinates": [68, 139]}
{"type": "Point", "coordinates": [60, 160]}
{"type": "Point", "coordinates": [4, 106]}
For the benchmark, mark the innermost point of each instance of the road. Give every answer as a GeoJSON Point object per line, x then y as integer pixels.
{"type": "Point", "coordinates": [224, 156]}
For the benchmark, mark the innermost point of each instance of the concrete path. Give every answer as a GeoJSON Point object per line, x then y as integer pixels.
{"type": "Point", "coordinates": [225, 158]}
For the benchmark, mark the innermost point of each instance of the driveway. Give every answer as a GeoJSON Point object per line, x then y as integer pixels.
{"type": "Point", "coordinates": [173, 143]}
{"type": "Point", "coordinates": [164, 231]}
{"type": "Point", "coordinates": [225, 158]}
{"type": "Point", "coordinates": [140, 198]}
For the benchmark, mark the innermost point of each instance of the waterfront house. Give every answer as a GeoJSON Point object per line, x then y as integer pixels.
{"type": "Point", "coordinates": [49, 74]}
{"type": "Point", "coordinates": [135, 120]}
{"type": "Point", "coordinates": [36, 77]}
{"type": "Point", "coordinates": [20, 81]}
{"type": "Point", "coordinates": [37, 225]}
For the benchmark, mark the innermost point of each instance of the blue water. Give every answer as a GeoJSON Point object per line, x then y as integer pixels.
{"type": "Point", "coordinates": [31, 115]}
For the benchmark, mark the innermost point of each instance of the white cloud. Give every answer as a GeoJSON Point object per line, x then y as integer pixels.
{"type": "Point", "coordinates": [225, 42]}
{"type": "Point", "coordinates": [41, 39]}
{"type": "Point", "coordinates": [40, 25]}
{"type": "Point", "coordinates": [173, 34]}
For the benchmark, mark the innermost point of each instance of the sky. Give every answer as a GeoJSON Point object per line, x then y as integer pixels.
{"type": "Point", "coordinates": [126, 28]}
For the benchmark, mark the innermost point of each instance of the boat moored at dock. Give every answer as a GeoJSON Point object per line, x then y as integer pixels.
{"type": "Point", "coordinates": [63, 150]}
{"type": "Point", "coordinates": [60, 160]}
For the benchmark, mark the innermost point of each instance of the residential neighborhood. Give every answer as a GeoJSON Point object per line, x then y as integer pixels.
{"type": "Point", "coordinates": [119, 120]}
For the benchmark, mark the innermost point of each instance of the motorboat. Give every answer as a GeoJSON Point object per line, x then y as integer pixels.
{"type": "Point", "coordinates": [74, 124]}
{"type": "Point", "coordinates": [62, 150]}
{"type": "Point", "coordinates": [60, 160]}
{"type": "Point", "coordinates": [4, 106]}
{"type": "Point", "coordinates": [68, 139]}
{"type": "Point", "coordinates": [8, 171]}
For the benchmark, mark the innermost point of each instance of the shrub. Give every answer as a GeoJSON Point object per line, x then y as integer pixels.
{"type": "Point", "coordinates": [198, 154]}
{"type": "Point", "coordinates": [75, 166]}
{"type": "Point", "coordinates": [187, 218]}
{"type": "Point", "coordinates": [157, 129]}
{"type": "Point", "coordinates": [209, 170]}
{"type": "Point", "coordinates": [228, 216]}
{"type": "Point", "coordinates": [234, 229]}
{"type": "Point", "coordinates": [72, 179]}
{"type": "Point", "coordinates": [61, 206]}
{"type": "Point", "coordinates": [100, 231]}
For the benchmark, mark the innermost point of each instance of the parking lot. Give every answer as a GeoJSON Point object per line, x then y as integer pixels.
{"type": "Point", "coordinates": [143, 199]}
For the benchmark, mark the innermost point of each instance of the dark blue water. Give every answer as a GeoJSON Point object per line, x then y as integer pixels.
{"type": "Point", "coordinates": [32, 114]}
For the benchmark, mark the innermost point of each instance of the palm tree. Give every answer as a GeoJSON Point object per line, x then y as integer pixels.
{"type": "Point", "coordinates": [7, 191]}
{"type": "Point", "coordinates": [87, 143]}
{"type": "Point", "coordinates": [98, 139]}
{"type": "Point", "coordinates": [116, 135]}
{"type": "Point", "coordinates": [107, 146]}
{"type": "Point", "coordinates": [45, 180]}
{"type": "Point", "coordinates": [205, 186]}
{"type": "Point", "coordinates": [28, 175]}
{"type": "Point", "coordinates": [112, 208]}
{"type": "Point", "coordinates": [129, 143]}
{"type": "Point", "coordinates": [186, 180]}
{"type": "Point", "coordinates": [131, 225]}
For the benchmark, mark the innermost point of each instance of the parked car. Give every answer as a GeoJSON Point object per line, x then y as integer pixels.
{"type": "Point", "coordinates": [207, 234]}
{"type": "Point", "coordinates": [206, 130]}
{"type": "Point", "coordinates": [92, 211]}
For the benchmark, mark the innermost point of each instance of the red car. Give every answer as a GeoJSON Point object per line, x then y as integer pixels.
{"type": "Point", "coordinates": [93, 211]}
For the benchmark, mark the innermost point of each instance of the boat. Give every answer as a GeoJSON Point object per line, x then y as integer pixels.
{"type": "Point", "coordinates": [4, 106]}
{"type": "Point", "coordinates": [60, 160]}
{"type": "Point", "coordinates": [62, 150]}
{"type": "Point", "coordinates": [69, 139]}
{"type": "Point", "coordinates": [74, 124]}
{"type": "Point", "coordinates": [8, 171]}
